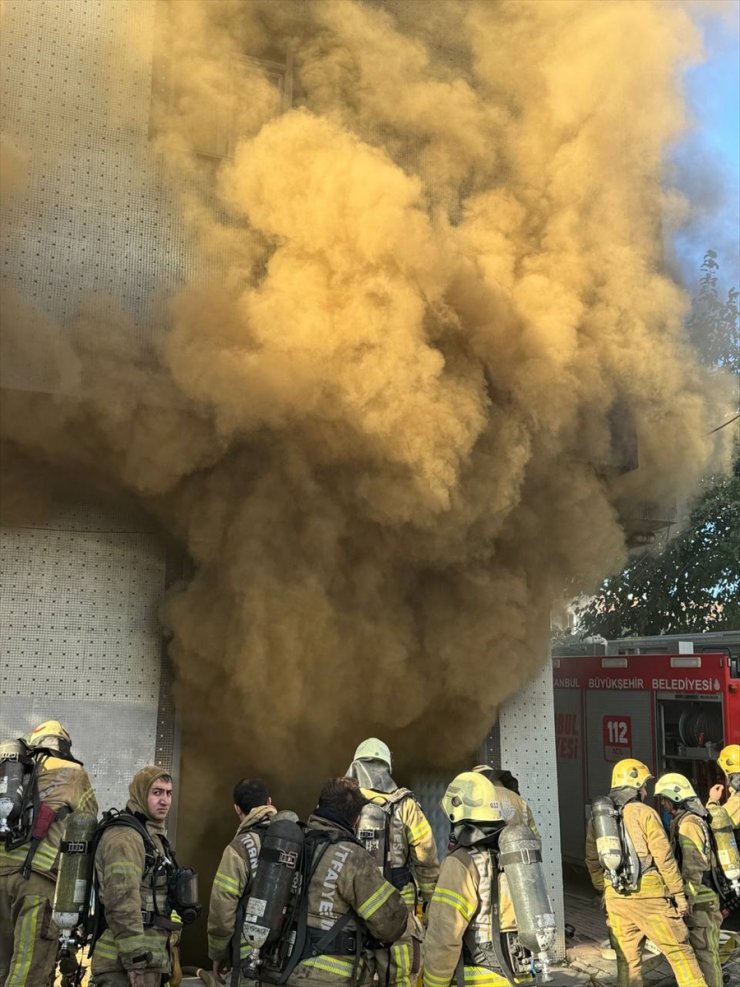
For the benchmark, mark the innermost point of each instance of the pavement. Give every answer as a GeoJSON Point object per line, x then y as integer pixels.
{"type": "Point", "coordinates": [590, 959]}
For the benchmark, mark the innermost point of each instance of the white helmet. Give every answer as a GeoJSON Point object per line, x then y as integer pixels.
{"type": "Point", "coordinates": [373, 749]}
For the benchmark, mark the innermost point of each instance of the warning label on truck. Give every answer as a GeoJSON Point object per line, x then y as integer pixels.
{"type": "Point", "coordinates": [566, 736]}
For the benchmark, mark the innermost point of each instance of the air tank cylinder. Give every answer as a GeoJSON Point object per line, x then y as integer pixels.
{"type": "Point", "coordinates": [75, 873]}
{"type": "Point", "coordinates": [727, 849]}
{"type": "Point", "coordinates": [11, 782]}
{"type": "Point", "coordinates": [521, 858]}
{"type": "Point", "coordinates": [279, 857]}
{"type": "Point", "coordinates": [608, 844]}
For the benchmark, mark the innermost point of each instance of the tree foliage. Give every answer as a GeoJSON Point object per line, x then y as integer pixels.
{"type": "Point", "coordinates": [713, 324]}
{"type": "Point", "coordinates": [693, 584]}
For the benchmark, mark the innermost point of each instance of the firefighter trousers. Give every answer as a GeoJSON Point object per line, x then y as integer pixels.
{"type": "Point", "coordinates": [632, 920]}
{"type": "Point", "coordinates": [28, 940]}
{"type": "Point", "coordinates": [704, 925]}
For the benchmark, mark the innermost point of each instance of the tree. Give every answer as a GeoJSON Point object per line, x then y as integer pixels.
{"type": "Point", "coordinates": [713, 324]}
{"type": "Point", "coordinates": [693, 584]}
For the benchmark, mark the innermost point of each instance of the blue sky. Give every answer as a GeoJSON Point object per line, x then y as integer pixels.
{"type": "Point", "coordinates": [708, 159]}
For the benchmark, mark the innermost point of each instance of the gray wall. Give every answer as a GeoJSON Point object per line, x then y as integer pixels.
{"type": "Point", "coordinates": [79, 597]}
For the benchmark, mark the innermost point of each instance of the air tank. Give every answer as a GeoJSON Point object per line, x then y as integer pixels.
{"type": "Point", "coordinates": [728, 855]}
{"type": "Point", "coordinates": [608, 844]}
{"type": "Point", "coordinates": [521, 858]}
{"type": "Point", "coordinates": [11, 782]}
{"type": "Point", "coordinates": [75, 872]}
{"type": "Point", "coordinates": [279, 858]}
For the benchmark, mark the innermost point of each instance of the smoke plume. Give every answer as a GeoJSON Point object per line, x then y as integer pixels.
{"type": "Point", "coordinates": [386, 425]}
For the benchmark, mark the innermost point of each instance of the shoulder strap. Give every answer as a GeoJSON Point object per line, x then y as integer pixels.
{"type": "Point", "coordinates": [396, 798]}
{"type": "Point", "coordinates": [241, 909]}
{"type": "Point", "coordinates": [93, 917]}
{"type": "Point", "coordinates": [498, 950]}
{"type": "Point", "coordinates": [115, 818]}
{"type": "Point", "coordinates": [316, 845]}
{"type": "Point", "coordinates": [632, 868]}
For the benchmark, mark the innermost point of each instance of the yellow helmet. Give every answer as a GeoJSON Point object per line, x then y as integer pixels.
{"type": "Point", "coordinates": [630, 773]}
{"type": "Point", "coordinates": [675, 787]}
{"type": "Point", "coordinates": [50, 733]}
{"type": "Point", "coordinates": [729, 759]}
{"type": "Point", "coordinates": [472, 798]}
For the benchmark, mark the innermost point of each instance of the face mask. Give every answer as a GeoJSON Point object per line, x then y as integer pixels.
{"type": "Point", "coordinates": [666, 818]}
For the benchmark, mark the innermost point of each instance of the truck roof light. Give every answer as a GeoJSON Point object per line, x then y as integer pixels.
{"type": "Point", "coordinates": [613, 662]}
{"type": "Point", "coordinates": [685, 661]}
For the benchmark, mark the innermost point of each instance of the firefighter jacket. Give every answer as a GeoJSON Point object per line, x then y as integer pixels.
{"type": "Point", "coordinates": [232, 881]}
{"type": "Point", "coordinates": [65, 787]}
{"type": "Point", "coordinates": [659, 873]}
{"type": "Point", "coordinates": [412, 847]}
{"type": "Point", "coordinates": [346, 878]}
{"type": "Point", "coordinates": [733, 807]}
{"type": "Point", "coordinates": [460, 920]}
{"type": "Point", "coordinates": [692, 846]}
{"type": "Point", "coordinates": [132, 882]}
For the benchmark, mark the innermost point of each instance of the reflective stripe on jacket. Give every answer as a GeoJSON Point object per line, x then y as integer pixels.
{"type": "Point", "coordinates": [659, 874]}
{"type": "Point", "coordinates": [234, 874]}
{"type": "Point", "coordinates": [462, 903]}
{"type": "Point", "coordinates": [411, 844]}
{"type": "Point", "coordinates": [691, 833]}
{"type": "Point", "coordinates": [128, 891]}
{"type": "Point", "coordinates": [347, 879]}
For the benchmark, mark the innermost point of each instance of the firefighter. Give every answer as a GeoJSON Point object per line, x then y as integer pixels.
{"type": "Point", "coordinates": [729, 761]}
{"type": "Point", "coordinates": [394, 830]}
{"type": "Point", "coordinates": [254, 809]}
{"type": "Point", "coordinates": [502, 778]}
{"type": "Point", "coordinates": [134, 870]}
{"type": "Point", "coordinates": [471, 907]}
{"type": "Point", "coordinates": [350, 905]}
{"type": "Point", "coordinates": [28, 872]}
{"type": "Point", "coordinates": [691, 843]}
{"type": "Point", "coordinates": [656, 908]}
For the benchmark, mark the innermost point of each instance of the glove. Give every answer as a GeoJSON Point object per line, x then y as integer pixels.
{"type": "Point", "coordinates": [682, 905]}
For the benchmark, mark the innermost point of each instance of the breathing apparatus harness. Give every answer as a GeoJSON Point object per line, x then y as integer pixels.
{"type": "Point", "coordinates": [297, 941]}
{"type": "Point", "coordinates": [182, 882]}
{"type": "Point", "coordinates": [624, 869]}
{"type": "Point", "coordinates": [377, 839]}
{"type": "Point", "coordinates": [29, 819]}
{"type": "Point", "coordinates": [504, 954]}
{"type": "Point", "coordinates": [241, 907]}
{"type": "Point", "coordinates": [714, 878]}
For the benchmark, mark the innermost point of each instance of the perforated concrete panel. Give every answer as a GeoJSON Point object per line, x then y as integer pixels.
{"type": "Point", "coordinates": [91, 215]}
{"type": "Point", "coordinates": [526, 746]}
{"type": "Point", "coordinates": [81, 643]}
{"type": "Point", "coordinates": [429, 789]}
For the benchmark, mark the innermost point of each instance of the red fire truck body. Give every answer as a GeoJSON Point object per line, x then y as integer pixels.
{"type": "Point", "coordinates": [674, 712]}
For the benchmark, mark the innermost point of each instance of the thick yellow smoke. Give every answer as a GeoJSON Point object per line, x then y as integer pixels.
{"type": "Point", "coordinates": [384, 426]}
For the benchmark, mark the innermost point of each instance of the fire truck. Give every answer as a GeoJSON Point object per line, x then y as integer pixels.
{"type": "Point", "coordinates": [672, 702]}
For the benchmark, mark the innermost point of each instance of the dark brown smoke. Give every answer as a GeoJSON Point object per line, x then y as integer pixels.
{"type": "Point", "coordinates": [382, 427]}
